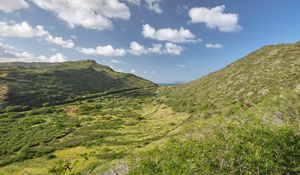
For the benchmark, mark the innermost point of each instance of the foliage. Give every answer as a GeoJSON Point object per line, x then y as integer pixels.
{"type": "Point", "coordinates": [236, 149]}
{"type": "Point", "coordinates": [51, 84]}
{"type": "Point", "coordinates": [257, 98]}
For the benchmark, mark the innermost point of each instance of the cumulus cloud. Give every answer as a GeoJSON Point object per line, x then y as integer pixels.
{"type": "Point", "coordinates": [215, 18]}
{"type": "Point", "coordinates": [12, 5]}
{"type": "Point", "coordinates": [173, 49]}
{"type": "Point", "coordinates": [137, 49]}
{"type": "Point", "coordinates": [213, 46]}
{"type": "Point", "coordinates": [154, 5]}
{"type": "Point", "coordinates": [132, 71]}
{"type": "Point", "coordinates": [159, 49]}
{"type": "Point", "coordinates": [24, 30]}
{"type": "Point", "coordinates": [91, 14]}
{"type": "Point", "coordinates": [58, 58]}
{"type": "Point", "coordinates": [167, 34]}
{"type": "Point", "coordinates": [12, 54]}
{"type": "Point", "coordinates": [59, 41]}
{"type": "Point", "coordinates": [107, 50]}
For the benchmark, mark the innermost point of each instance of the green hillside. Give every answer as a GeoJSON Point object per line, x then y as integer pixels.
{"type": "Point", "coordinates": [84, 118]}
{"type": "Point", "coordinates": [77, 114]}
{"type": "Point", "coordinates": [245, 119]}
{"type": "Point", "coordinates": [27, 85]}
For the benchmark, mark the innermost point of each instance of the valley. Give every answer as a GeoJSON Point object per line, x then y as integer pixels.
{"type": "Point", "coordinates": [84, 118]}
{"type": "Point", "coordinates": [104, 129]}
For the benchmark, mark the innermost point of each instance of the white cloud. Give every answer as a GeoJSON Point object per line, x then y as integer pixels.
{"type": "Point", "coordinates": [59, 41]}
{"type": "Point", "coordinates": [57, 58]}
{"type": "Point", "coordinates": [168, 48]}
{"type": "Point", "coordinates": [215, 18]}
{"type": "Point", "coordinates": [154, 5]}
{"type": "Point", "coordinates": [12, 5]}
{"type": "Point", "coordinates": [91, 14]}
{"type": "Point", "coordinates": [134, 2]}
{"type": "Point", "coordinates": [156, 49]}
{"type": "Point", "coordinates": [132, 71]}
{"type": "Point", "coordinates": [173, 49]}
{"type": "Point", "coordinates": [137, 49]}
{"type": "Point", "coordinates": [107, 50]}
{"type": "Point", "coordinates": [213, 46]}
{"type": "Point", "coordinates": [12, 54]}
{"type": "Point", "coordinates": [24, 30]}
{"type": "Point", "coordinates": [167, 34]}
{"type": "Point", "coordinates": [145, 72]}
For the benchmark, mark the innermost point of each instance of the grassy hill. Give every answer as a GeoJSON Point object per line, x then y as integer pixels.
{"type": "Point", "coordinates": [28, 85]}
{"type": "Point", "coordinates": [245, 119]}
{"type": "Point", "coordinates": [77, 114]}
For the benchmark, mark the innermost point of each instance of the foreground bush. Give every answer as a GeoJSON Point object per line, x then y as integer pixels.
{"type": "Point", "coordinates": [239, 149]}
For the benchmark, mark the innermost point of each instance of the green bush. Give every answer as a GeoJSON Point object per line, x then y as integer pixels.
{"type": "Point", "coordinates": [240, 149]}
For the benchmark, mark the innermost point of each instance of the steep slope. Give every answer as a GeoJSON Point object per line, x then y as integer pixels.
{"type": "Point", "coordinates": [245, 119]}
{"type": "Point", "coordinates": [27, 85]}
{"type": "Point", "coordinates": [268, 77]}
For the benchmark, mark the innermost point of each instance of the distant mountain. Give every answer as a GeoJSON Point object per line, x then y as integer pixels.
{"type": "Point", "coordinates": [24, 85]}
{"type": "Point", "coordinates": [170, 84]}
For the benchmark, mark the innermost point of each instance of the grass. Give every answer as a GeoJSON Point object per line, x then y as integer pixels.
{"type": "Point", "coordinates": [58, 83]}
{"type": "Point", "coordinates": [233, 149]}
{"type": "Point", "coordinates": [244, 120]}
{"type": "Point", "coordinates": [106, 129]}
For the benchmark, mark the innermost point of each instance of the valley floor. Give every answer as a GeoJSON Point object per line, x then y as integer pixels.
{"type": "Point", "coordinates": [87, 137]}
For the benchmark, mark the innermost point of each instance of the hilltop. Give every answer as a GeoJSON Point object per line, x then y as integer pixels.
{"type": "Point", "coordinates": [28, 85]}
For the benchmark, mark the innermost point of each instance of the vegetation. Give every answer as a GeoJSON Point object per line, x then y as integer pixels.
{"type": "Point", "coordinates": [234, 148]}
{"type": "Point", "coordinates": [243, 119]}
{"type": "Point", "coordinates": [101, 129]}
{"type": "Point", "coordinates": [27, 86]}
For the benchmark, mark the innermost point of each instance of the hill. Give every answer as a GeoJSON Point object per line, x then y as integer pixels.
{"type": "Point", "coordinates": [244, 119]}
{"type": "Point", "coordinates": [28, 85]}
{"type": "Point", "coordinates": [79, 115]}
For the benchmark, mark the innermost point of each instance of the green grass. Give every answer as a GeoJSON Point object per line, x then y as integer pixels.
{"type": "Point", "coordinates": [244, 119]}
{"type": "Point", "coordinates": [29, 87]}
{"type": "Point", "coordinates": [234, 149]}
{"type": "Point", "coordinates": [106, 128]}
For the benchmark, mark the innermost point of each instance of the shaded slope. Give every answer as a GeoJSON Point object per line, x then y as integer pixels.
{"type": "Point", "coordinates": [35, 84]}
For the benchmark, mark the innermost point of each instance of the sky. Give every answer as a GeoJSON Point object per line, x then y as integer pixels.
{"type": "Point", "coordinates": [160, 40]}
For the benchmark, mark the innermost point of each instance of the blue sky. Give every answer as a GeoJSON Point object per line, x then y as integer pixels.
{"type": "Point", "coordinates": [160, 40]}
